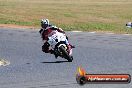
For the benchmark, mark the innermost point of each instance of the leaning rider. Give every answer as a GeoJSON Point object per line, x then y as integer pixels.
{"type": "Point", "coordinates": [46, 29]}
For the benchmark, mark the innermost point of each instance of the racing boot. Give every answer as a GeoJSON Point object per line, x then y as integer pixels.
{"type": "Point", "coordinates": [69, 49]}
{"type": "Point", "coordinates": [72, 46]}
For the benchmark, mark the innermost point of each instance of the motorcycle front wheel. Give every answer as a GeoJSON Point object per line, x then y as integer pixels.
{"type": "Point", "coordinates": [65, 54]}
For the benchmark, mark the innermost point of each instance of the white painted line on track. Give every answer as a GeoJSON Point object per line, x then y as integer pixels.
{"type": "Point", "coordinates": [110, 33]}
{"type": "Point", "coordinates": [104, 33]}
{"type": "Point", "coordinates": [127, 34]}
{"type": "Point", "coordinates": [92, 32]}
{"type": "Point", "coordinates": [4, 62]}
{"type": "Point", "coordinates": [76, 31]}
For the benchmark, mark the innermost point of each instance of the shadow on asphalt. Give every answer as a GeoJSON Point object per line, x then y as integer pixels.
{"type": "Point", "coordinates": [56, 62]}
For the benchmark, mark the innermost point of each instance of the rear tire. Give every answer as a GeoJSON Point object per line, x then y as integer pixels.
{"type": "Point", "coordinates": [65, 54]}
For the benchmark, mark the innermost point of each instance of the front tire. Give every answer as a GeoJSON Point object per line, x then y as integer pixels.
{"type": "Point", "coordinates": [65, 54]}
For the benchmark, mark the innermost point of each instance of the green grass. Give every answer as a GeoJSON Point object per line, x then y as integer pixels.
{"type": "Point", "coordinates": [84, 15]}
{"type": "Point", "coordinates": [5, 21]}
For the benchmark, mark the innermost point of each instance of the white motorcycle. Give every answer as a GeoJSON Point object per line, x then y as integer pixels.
{"type": "Point", "coordinates": [58, 43]}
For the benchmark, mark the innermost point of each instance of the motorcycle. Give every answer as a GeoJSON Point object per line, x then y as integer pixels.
{"type": "Point", "coordinates": [58, 42]}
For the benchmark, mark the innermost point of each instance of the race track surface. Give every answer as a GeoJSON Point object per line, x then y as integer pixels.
{"type": "Point", "coordinates": [31, 68]}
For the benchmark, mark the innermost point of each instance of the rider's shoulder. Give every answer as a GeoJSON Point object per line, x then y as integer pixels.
{"type": "Point", "coordinates": [53, 26]}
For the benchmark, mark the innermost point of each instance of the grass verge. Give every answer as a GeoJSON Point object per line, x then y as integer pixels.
{"type": "Point", "coordinates": [83, 15]}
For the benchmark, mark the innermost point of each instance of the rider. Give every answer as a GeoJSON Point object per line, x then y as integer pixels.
{"type": "Point", "coordinates": [46, 29]}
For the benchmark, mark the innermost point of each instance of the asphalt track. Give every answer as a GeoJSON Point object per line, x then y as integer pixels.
{"type": "Point", "coordinates": [31, 68]}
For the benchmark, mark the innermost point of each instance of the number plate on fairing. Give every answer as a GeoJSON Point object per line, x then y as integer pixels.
{"type": "Point", "coordinates": [55, 38]}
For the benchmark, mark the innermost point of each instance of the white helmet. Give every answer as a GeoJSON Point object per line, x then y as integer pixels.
{"type": "Point", "coordinates": [44, 23]}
